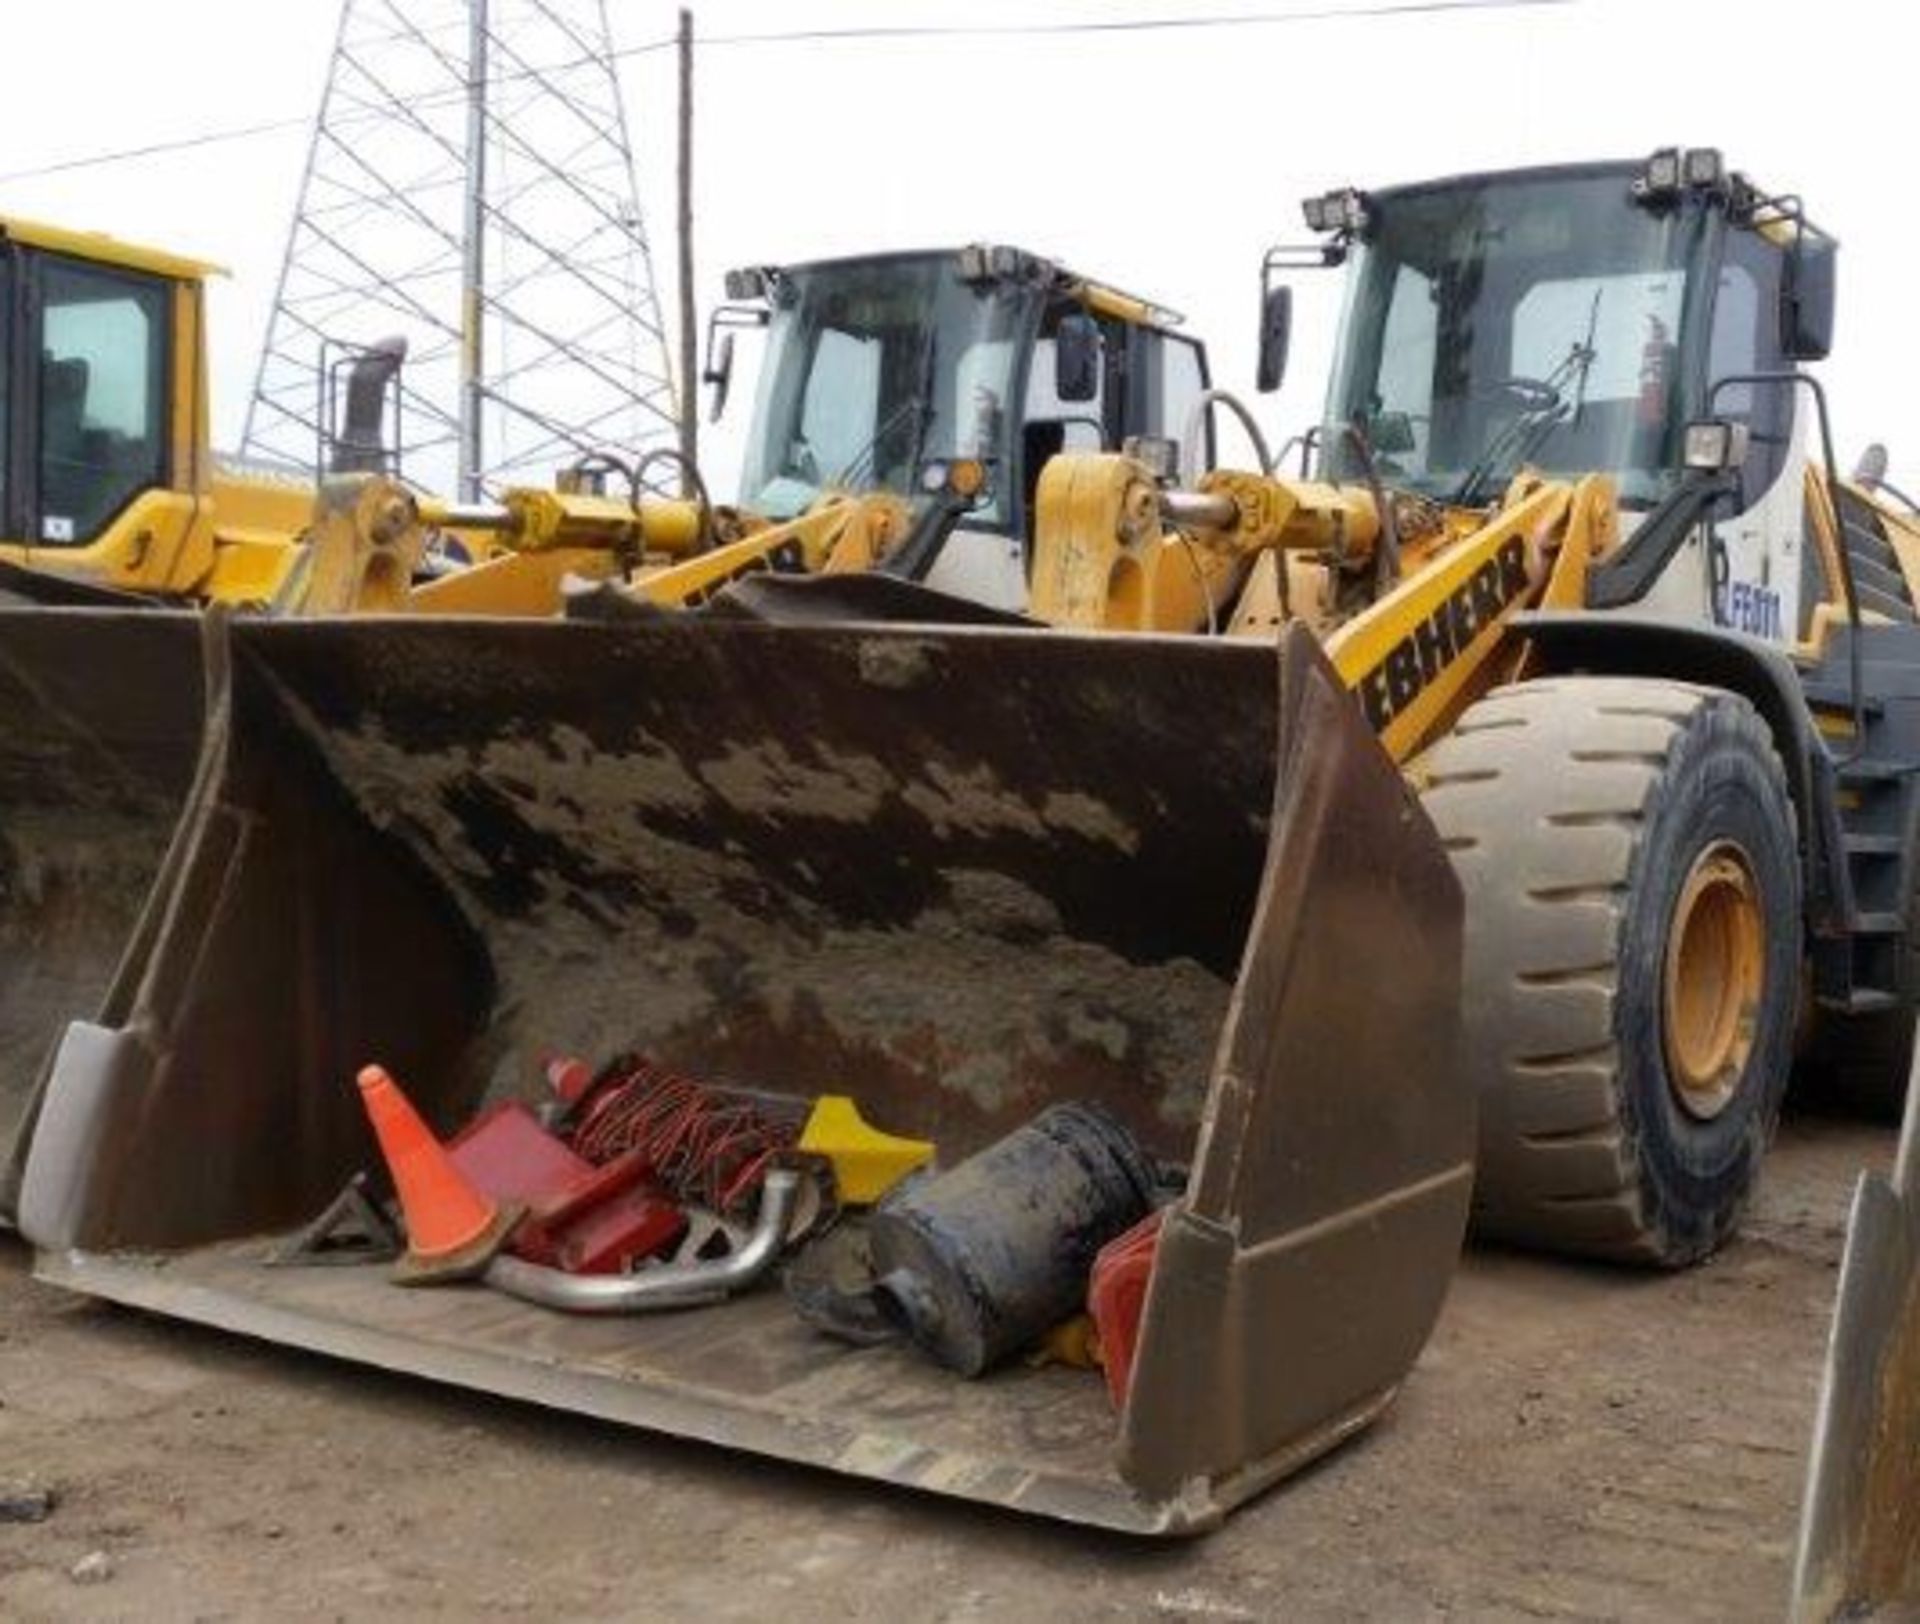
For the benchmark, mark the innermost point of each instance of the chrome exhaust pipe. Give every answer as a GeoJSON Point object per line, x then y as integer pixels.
{"type": "Point", "coordinates": [672, 1286]}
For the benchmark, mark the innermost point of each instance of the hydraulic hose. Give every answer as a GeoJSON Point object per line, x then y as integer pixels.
{"type": "Point", "coordinates": [1196, 419]}
{"type": "Point", "coordinates": [1387, 559]}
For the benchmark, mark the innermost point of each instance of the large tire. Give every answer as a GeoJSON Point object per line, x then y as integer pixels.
{"type": "Point", "coordinates": [1586, 816]}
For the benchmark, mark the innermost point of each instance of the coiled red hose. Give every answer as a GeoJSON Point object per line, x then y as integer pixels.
{"type": "Point", "coordinates": [703, 1146]}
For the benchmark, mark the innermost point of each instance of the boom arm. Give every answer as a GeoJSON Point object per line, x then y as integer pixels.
{"type": "Point", "coordinates": [369, 539]}
{"type": "Point", "coordinates": [1116, 551]}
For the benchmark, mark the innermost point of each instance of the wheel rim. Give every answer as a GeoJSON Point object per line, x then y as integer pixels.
{"type": "Point", "coordinates": [1715, 976]}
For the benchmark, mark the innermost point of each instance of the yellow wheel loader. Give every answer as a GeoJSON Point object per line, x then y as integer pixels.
{"type": "Point", "coordinates": [1579, 546]}
{"type": "Point", "coordinates": [907, 406]}
{"type": "Point", "coordinates": [893, 375]}
{"type": "Point", "coordinates": [108, 480]}
{"type": "Point", "coordinates": [1578, 792]}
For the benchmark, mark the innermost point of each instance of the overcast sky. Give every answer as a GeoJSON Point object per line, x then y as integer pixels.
{"type": "Point", "coordinates": [1162, 160]}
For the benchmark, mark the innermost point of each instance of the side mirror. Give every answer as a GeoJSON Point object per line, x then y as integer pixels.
{"type": "Point", "coordinates": [719, 375]}
{"type": "Point", "coordinates": [1276, 331]}
{"type": "Point", "coordinates": [1714, 445]}
{"type": "Point", "coordinates": [1806, 299]}
{"type": "Point", "coordinates": [1076, 358]}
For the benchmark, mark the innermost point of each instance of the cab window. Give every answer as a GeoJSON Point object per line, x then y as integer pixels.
{"type": "Point", "coordinates": [842, 401]}
{"type": "Point", "coordinates": [1050, 425]}
{"type": "Point", "coordinates": [1165, 376]}
{"type": "Point", "coordinates": [1056, 424]}
{"type": "Point", "coordinates": [1746, 338]}
{"type": "Point", "coordinates": [1181, 382]}
{"type": "Point", "coordinates": [102, 396]}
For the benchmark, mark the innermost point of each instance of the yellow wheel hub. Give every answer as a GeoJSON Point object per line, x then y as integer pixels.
{"type": "Point", "coordinates": [1715, 976]}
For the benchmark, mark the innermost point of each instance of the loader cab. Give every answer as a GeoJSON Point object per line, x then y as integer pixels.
{"type": "Point", "coordinates": [1574, 320]}
{"type": "Point", "coordinates": [101, 405]}
{"type": "Point", "coordinates": [880, 367]}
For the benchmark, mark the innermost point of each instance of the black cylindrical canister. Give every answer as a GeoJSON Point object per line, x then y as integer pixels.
{"type": "Point", "coordinates": [983, 1260]}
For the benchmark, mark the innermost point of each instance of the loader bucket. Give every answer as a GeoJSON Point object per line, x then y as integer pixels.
{"type": "Point", "coordinates": [100, 729]}
{"type": "Point", "coordinates": [960, 873]}
{"type": "Point", "coordinates": [1860, 1520]}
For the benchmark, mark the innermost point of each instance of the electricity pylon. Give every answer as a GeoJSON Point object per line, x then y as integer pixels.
{"type": "Point", "coordinates": [469, 187]}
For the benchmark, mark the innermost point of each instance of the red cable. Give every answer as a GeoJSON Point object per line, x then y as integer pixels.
{"type": "Point", "coordinates": [703, 1148]}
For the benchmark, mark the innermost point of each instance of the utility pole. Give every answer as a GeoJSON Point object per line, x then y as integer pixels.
{"type": "Point", "coordinates": [689, 317]}
{"type": "Point", "coordinates": [473, 261]}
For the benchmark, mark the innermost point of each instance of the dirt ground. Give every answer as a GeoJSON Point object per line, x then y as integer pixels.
{"type": "Point", "coordinates": [1576, 1443]}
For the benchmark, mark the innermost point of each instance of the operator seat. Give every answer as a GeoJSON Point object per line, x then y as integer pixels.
{"type": "Point", "coordinates": [1040, 441]}
{"type": "Point", "coordinates": [63, 440]}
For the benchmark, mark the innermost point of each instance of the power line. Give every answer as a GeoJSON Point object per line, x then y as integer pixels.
{"type": "Point", "coordinates": [153, 149]}
{"type": "Point", "coordinates": [280, 126]}
{"type": "Point", "coordinates": [904, 31]}
{"type": "Point", "coordinates": [1130, 25]}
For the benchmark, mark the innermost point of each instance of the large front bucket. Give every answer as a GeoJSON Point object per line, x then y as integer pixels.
{"type": "Point", "coordinates": [1859, 1548]}
{"type": "Point", "coordinates": [958, 873]}
{"type": "Point", "coordinates": [100, 729]}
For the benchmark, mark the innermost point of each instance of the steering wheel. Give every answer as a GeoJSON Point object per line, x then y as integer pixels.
{"type": "Point", "coordinates": [1531, 394]}
{"type": "Point", "coordinates": [801, 462]}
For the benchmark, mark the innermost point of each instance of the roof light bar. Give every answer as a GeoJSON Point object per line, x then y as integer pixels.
{"type": "Point", "coordinates": [1344, 211]}
{"type": "Point", "coordinates": [1673, 170]}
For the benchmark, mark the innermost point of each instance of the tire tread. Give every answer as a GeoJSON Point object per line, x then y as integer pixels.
{"type": "Point", "coordinates": [1541, 795]}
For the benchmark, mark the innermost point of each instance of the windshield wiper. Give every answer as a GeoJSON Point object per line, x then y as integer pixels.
{"type": "Point", "coordinates": [1515, 443]}
{"type": "Point", "coordinates": [1585, 354]}
{"type": "Point", "coordinates": [918, 408]}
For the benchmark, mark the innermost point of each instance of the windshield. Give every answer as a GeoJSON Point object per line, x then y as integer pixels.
{"type": "Point", "coordinates": [1497, 323]}
{"type": "Point", "coordinates": [875, 368]}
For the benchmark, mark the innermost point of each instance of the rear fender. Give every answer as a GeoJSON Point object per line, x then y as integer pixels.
{"type": "Point", "coordinates": [1621, 645]}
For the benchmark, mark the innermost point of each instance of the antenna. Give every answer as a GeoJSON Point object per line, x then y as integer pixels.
{"type": "Point", "coordinates": [469, 187]}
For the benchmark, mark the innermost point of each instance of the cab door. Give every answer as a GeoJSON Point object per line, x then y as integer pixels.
{"type": "Point", "coordinates": [1166, 376]}
{"type": "Point", "coordinates": [1763, 569]}
{"type": "Point", "coordinates": [13, 518]}
{"type": "Point", "coordinates": [98, 418]}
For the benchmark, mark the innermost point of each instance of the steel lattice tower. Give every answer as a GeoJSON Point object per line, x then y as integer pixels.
{"type": "Point", "coordinates": [470, 186]}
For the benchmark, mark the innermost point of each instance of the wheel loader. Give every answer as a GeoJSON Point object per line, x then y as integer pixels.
{"type": "Point", "coordinates": [1580, 547]}
{"type": "Point", "coordinates": [1538, 754]}
{"type": "Point", "coordinates": [883, 372]}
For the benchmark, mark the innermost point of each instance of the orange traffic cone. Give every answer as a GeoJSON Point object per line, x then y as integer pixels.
{"type": "Point", "coordinates": [453, 1230]}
